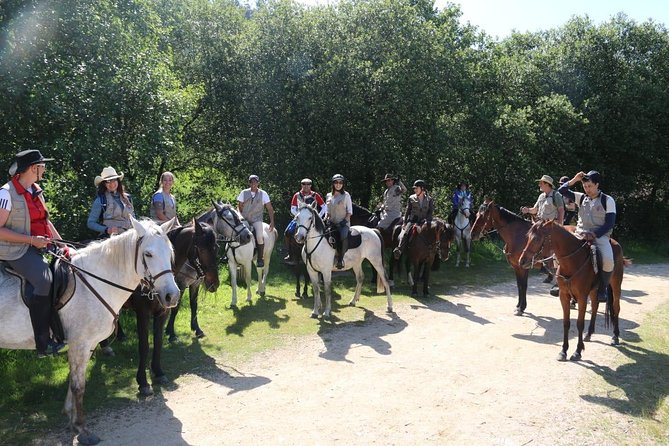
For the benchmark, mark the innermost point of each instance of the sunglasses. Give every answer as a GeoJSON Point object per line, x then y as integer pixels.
{"type": "Point", "coordinates": [338, 182]}
{"type": "Point", "coordinates": [306, 184]}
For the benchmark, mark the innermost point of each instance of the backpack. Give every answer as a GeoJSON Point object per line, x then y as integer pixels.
{"type": "Point", "coordinates": [103, 202]}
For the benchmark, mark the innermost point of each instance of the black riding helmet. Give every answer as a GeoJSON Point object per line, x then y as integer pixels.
{"type": "Point", "coordinates": [420, 183]}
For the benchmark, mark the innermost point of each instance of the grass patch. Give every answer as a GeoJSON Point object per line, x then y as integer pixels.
{"type": "Point", "coordinates": [32, 391]}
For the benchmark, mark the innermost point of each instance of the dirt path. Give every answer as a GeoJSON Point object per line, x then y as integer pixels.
{"type": "Point", "coordinates": [458, 371]}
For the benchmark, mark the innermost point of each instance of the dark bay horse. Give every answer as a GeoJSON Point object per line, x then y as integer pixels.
{"type": "Point", "coordinates": [195, 244]}
{"type": "Point", "coordinates": [299, 270]}
{"type": "Point", "coordinates": [513, 230]}
{"type": "Point", "coordinates": [576, 278]}
{"type": "Point", "coordinates": [423, 249]}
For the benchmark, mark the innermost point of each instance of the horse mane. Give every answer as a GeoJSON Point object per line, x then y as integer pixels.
{"type": "Point", "coordinates": [507, 215]}
{"type": "Point", "coordinates": [361, 211]}
{"type": "Point", "coordinates": [320, 225]}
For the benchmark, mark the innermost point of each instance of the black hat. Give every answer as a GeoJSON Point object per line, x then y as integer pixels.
{"type": "Point", "coordinates": [420, 183]}
{"type": "Point", "coordinates": [389, 176]}
{"type": "Point", "coordinates": [25, 159]}
{"type": "Point", "coordinates": [564, 179]}
{"type": "Point", "coordinates": [593, 176]}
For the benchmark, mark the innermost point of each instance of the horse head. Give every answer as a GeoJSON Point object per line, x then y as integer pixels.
{"type": "Point", "coordinates": [465, 207]}
{"type": "Point", "coordinates": [204, 253]}
{"type": "Point", "coordinates": [306, 218]}
{"type": "Point", "coordinates": [153, 261]}
{"type": "Point", "coordinates": [484, 220]}
{"type": "Point", "coordinates": [538, 237]}
{"type": "Point", "coordinates": [230, 224]}
{"type": "Point", "coordinates": [445, 240]}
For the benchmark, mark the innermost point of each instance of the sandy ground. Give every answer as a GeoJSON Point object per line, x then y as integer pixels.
{"type": "Point", "coordinates": [458, 369]}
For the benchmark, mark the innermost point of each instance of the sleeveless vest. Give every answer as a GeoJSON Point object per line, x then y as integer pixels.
{"type": "Point", "coordinates": [117, 214]}
{"type": "Point", "coordinates": [392, 201]}
{"type": "Point", "coordinates": [419, 209]}
{"type": "Point", "coordinates": [169, 206]}
{"type": "Point", "coordinates": [337, 207]}
{"type": "Point", "coordinates": [591, 214]}
{"type": "Point", "coordinates": [28, 216]}
{"type": "Point", "coordinates": [546, 206]}
{"type": "Point", "coordinates": [253, 207]}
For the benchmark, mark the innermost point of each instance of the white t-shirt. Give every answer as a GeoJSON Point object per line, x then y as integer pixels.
{"type": "Point", "coordinates": [6, 199]}
{"type": "Point", "coordinates": [264, 196]}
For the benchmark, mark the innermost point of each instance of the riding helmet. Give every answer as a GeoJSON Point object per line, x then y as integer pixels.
{"type": "Point", "coordinates": [338, 177]}
{"type": "Point", "coordinates": [420, 183]}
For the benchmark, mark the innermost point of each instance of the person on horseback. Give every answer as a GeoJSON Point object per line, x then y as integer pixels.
{"type": "Point", "coordinates": [304, 196]}
{"type": "Point", "coordinates": [461, 192]}
{"type": "Point", "coordinates": [420, 208]}
{"type": "Point", "coordinates": [570, 207]}
{"type": "Point", "coordinates": [111, 210]}
{"type": "Point", "coordinates": [163, 203]}
{"type": "Point", "coordinates": [596, 218]}
{"type": "Point", "coordinates": [25, 229]}
{"type": "Point", "coordinates": [549, 205]}
{"type": "Point", "coordinates": [391, 209]}
{"type": "Point", "coordinates": [252, 203]}
{"type": "Point", "coordinates": [339, 211]}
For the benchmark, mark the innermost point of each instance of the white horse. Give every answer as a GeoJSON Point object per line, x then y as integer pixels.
{"type": "Point", "coordinates": [240, 248]}
{"type": "Point", "coordinates": [463, 230]}
{"type": "Point", "coordinates": [143, 254]}
{"type": "Point", "coordinates": [319, 257]}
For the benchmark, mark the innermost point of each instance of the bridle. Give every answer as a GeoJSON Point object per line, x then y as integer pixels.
{"type": "Point", "coordinates": [237, 228]}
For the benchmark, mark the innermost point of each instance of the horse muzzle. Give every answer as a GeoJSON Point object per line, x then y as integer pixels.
{"type": "Point", "coordinates": [525, 262]}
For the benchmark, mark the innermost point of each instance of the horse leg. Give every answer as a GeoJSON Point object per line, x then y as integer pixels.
{"type": "Point", "coordinates": [521, 282]}
{"type": "Point", "coordinates": [391, 267]}
{"type": "Point", "coordinates": [169, 329]}
{"type": "Point", "coordinates": [594, 306]}
{"type": "Point", "coordinates": [143, 315]}
{"type": "Point", "coordinates": [564, 301]}
{"type": "Point", "coordinates": [315, 284]}
{"type": "Point", "coordinates": [262, 273]}
{"type": "Point", "coordinates": [305, 275]}
{"type": "Point", "coordinates": [359, 278]}
{"type": "Point", "coordinates": [468, 247]}
{"type": "Point", "coordinates": [580, 324]}
{"type": "Point", "coordinates": [247, 279]}
{"type": "Point", "coordinates": [458, 244]}
{"type": "Point", "coordinates": [297, 269]}
{"type": "Point", "coordinates": [415, 275]}
{"type": "Point", "coordinates": [232, 266]}
{"type": "Point", "coordinates": [426, 279]}
{"type": "Point", "coordinates": [378, 268]}
{"type": "Point", "coordinates": [78, 357]}
{"type": "Point", "coordinates": [193, 292]}
{"type": "Point", "coordinates": [158, 323]}
{"type": "Point", "coordinates": [327, 285]}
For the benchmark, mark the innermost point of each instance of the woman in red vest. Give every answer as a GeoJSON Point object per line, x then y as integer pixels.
{"type": "Point", "coordinates": [24, 230]}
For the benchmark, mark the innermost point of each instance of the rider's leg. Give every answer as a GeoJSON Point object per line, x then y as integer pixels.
{"type": "Point", "coordinates": [343, 236]}
{"type": "Point", "coordinates": [260, 241]}
{"type": "Point", "coordinates": [404, 239]}
{"type": "Point", "coordinates": [606, 255]}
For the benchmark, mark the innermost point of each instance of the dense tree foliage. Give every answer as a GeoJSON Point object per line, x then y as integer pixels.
{"type": "Point", "coordinates": [214, 90]}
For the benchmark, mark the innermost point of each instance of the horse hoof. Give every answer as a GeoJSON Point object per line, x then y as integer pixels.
{"type": "Point", "coordinates": [314, 315]}
{"type": "Point", "coordinates": [389, 310]}
{"type": "Point", "coordinates": [161, 380]}
{"type": "Point", "coordinates": [518, 312]}
{"type": "Point", "coordinates": [615, 340]}
{"type": "Point", "coordinates": [88, 438]}
{"type": "Point", "coordinates": [173, 339]}
{"type": "Point", "coordinates": [327, 317]}
{"type": "Point", "coordinates": [562, 356]}
{"type": "Point", "coordinates": [145, 391]}
{"type": "Point", "coordinates": [586, 338]}
{"type": "Point", "coordinates": [260, 293]}
{"type": "Point", "coordinates": [108, 351]}
{"type": "Point", "coordinates": [304, 296]}
{"type": "Point", "coordinates": [297, 295]}
{"type": "Point", "coordinates": [199, 334]}
{"type": "Point", "coordinates": [233, 307]}
{"type": "Point", "coordinates": [575, 357]}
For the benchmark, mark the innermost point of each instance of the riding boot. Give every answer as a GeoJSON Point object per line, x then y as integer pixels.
{"type": "Point", "coordinates": [259, 262]}
{"type": "Point", "coordinates": [342, 252]}
{"type": "Point", "coordinates": [397, 252]}
{"type": "Point", "coordinates": [604, 278]}
{"type": "Point", "coordinates": [40, 317]}
{"type": "Point", "coordinates": [289, 259]}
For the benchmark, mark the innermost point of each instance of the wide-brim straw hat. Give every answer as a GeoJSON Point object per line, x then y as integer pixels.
{"type": "Point", "coordinates": [546, 179]}
{"type": "Point", "coordinates": [108, 173]}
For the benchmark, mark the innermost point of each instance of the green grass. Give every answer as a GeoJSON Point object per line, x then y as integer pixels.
{"type": "Point", "coordinates": [32, 391]}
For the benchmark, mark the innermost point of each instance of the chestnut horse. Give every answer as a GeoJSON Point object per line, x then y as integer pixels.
{"type": "Point", "coordinates": [428, 244]}
{"type": "Point", "coordinates": [513, 230]}
{"type": "Point", "coordinates": [577, 278]}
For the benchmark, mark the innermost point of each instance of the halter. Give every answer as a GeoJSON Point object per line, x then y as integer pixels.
{"type": "Point", "coordinates": [319, 236]}
{"type": "Point", "coordinates": [147, 284]}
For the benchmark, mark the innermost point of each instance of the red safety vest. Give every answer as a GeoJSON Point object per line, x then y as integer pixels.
{"type": "Point", "coordinates": [38, 213]}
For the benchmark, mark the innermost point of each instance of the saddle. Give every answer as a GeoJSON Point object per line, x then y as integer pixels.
{"type": "Point", "coordinates": [354, 238]}
{"type": "Point", "coordinates": [62, 290]}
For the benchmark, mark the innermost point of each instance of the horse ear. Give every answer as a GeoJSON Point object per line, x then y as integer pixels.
{"type": "Point", "coordinates": [168, 225]}
{"type": "Point", "coordinates": [198, 228]}
{"type": "Point", "coordinates": [137, 226]}
{"type": "Point", "coordinates": [217, 206]}
{"type": "Point", "coordinates": [313, 205]}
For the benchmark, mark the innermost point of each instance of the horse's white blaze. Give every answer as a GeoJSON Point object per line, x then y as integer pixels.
{"type": "Point", "coordinates": [319, 256]}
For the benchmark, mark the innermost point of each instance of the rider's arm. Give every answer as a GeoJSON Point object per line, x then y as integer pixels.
{"type": "Point", "coordinates": [566, 192]}
{"type": "Point", "coordinates": [430, 211]}
{"type": "Point", "coordinates": [609, 221]}
{"type": "Point", "coordinates": [94, 216]}
{"type": "Point", "coordinates": [402, 187]}
{"type": "Point", "coordinates": [270, 211]}
{"type": "Point", "coordinates": [324, 210]}
{"type": "Point", "coordinates": [349, 208]}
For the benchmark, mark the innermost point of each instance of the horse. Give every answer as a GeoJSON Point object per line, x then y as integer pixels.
{"type": "Point", "coordinates": [193, 245]}
{"type": "Point", "coordinates": [241, 246]}
{"type": "Point", "coordinates": [319, 257]}
{"type": "Point", "coordinates": [362, 216]}
{"type": "Point", "coordinates": [299, 270]}
{"type": "Point", "coordinates": [115, 265]}
{"type": "Point", "coordinates": [423, 248]}
{"type": "Point", "coordinates": [513, 230]}
{"type": "Point", "coordinates": [577, 278]}
{"type": "Point", "coordinates": [463, 231]}
{"type": "Point", "coordinates": [198, 270]}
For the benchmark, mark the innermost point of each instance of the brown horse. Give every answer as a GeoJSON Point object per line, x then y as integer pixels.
{"type": "Point", "coordinates": [513, 230]}
{"type": "Point", "coordinates": [577, 278]}
{"type": "Point", "coordinates": [424, 248]}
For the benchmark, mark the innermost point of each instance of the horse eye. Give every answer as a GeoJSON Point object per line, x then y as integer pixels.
{"type": "Point", "coordinates": [148, 254]}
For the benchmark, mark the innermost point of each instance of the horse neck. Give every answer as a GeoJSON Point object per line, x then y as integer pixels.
{"type": "Point", "coordinates": [505, 223]}
{"type": "Point", "coordinates": [563, 242]}
{"type": "Point", "coordinates": [182, 241]}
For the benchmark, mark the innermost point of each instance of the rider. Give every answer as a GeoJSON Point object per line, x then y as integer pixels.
{"type": "Point", "coordinates": [549, 205]}
{"type": "Point", "coordinates": [596, 218]}
{"type": "Point", "coordinates": [111, 210]}
{"type": "Point", "coordinates": [252, 210]}
{"type": "Point", "coordinates": [339, 211]}
{"type": "Point", "coordinates": [25, 229]}
{"type": "Point", "coordinates": [420, 208]}
{"type": "Point", "coordinates": [461, 192]}
{"type": "Point", "coordinates": [304, 196]}
{"type": "Point", "coordinates": [163, 203]}
{"type": "Point", "coordinates": [570, 208]}
{"type": "Point", "coordinates": [391, 209]}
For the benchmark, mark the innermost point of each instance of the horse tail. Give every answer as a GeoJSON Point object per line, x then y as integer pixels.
{"type": "Point", "coordinates": [627, 261]}
{"type": "Point", "coordinates": [380, 236]}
